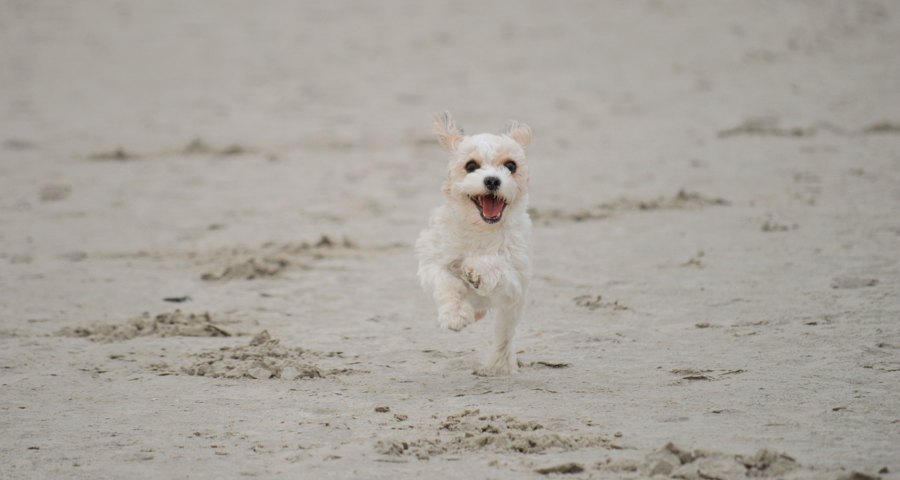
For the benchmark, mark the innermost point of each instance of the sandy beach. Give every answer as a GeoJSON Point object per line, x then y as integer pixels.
{"type": "Point", "coordinates": [208, 212]}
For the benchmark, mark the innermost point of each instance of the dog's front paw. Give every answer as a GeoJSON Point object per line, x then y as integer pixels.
{"type": "Point", "coordinates": [472, 276]}
{"type": "Point", "coordinates": [480, 274]}
{"type": "Point", "coordinates": [455, 321]}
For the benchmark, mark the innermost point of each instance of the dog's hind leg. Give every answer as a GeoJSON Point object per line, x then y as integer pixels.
{"type": "Point", "coordinates": [480, 304]}
{"type": "Point", "coordinates": [502, 360]}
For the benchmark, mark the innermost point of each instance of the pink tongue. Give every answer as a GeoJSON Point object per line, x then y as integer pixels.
{"type": "Point", "coordinates": [491, 206]}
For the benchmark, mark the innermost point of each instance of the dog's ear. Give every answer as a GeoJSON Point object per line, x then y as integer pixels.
{"type": "Point", "coordinates": [519, 132]}
{"type": "Point", "coordinates": [449, 134]}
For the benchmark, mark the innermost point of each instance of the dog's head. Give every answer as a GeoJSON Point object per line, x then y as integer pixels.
{"type": "Point", "coordinates": [487, 175]}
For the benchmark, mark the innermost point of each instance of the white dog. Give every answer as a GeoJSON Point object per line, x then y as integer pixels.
{"type": "Point", "coordinates": [475, 254]}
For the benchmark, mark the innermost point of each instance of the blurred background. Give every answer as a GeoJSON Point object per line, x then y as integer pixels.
{"type": "Point", "coordinates": [215, 122]}
{"type": "Point", "coordinates": [588, 76]}
{"type": "Point", "coordinates": [612, 89]}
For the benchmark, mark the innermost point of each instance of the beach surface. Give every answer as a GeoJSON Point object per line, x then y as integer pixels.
{"type": "Point", "coordinates": [208, 212]}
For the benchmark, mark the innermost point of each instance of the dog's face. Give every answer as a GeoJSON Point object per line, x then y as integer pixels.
{"type": "Point", "coordinates": [487, 174]}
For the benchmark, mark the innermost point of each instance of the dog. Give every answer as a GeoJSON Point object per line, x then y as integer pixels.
{"type": "Point", "coordinates": [475, 254]}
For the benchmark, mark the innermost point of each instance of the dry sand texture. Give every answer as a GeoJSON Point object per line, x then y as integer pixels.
{"type": "Point", "coordinates": [715, 191]}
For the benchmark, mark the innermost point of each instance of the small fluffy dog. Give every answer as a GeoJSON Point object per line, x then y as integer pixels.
{"type": "Point", "coordinates": [474, 256]}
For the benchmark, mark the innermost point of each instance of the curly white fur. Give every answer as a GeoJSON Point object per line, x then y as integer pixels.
{"type": "Point", "coordinates": [471, 261]}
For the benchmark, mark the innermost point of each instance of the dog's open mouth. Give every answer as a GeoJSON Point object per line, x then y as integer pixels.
{"type": "Point", "coordinates": [490, 207]}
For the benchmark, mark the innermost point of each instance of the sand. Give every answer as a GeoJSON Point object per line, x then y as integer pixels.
{"type": "Point", "coordinates": [208, 211]}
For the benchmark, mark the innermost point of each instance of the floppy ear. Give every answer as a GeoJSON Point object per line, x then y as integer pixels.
{"type": "Point", "coordinates": [449, 134]}
{"type": "Point", "coordinates": [519, 132]}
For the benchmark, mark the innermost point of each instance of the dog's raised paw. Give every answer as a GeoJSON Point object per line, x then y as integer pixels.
{"type": "Point", "coordinates": [473, 277]}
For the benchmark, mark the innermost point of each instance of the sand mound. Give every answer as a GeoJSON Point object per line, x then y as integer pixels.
{"type": "Point", "coordinates": [272, 259]}
{"type": "Point", "coordinates": [769, 127]}
{"type": "Point", "coordinates": [683, 200]}
{"type": "Point", "coordinates": [198, 147]}
{"type": "Point", "coordinates": [469, 432]}
{"type": "Point", "coordinates": [262, 359]}
{"type": "Point", "coordinates": [163, 325]}
{"type": "Point", "coordinates": [671, 461]}
{"type": "Point", "coordinates": [250, 269]}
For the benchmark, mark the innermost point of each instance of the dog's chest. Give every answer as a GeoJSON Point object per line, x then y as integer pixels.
{"type": "Point", "coordinates": [501, 242]}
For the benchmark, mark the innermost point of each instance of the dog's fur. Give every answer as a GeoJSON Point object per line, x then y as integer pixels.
{"type": "Point", "coordinates": [469, 259]}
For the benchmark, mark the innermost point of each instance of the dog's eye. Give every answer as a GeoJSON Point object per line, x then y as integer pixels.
{"type": "Point", "coordinates": [471, 166]}
{"type": "Point", "coordinates": [511, 166]}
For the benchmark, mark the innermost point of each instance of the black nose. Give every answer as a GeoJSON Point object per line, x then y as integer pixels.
{"type": "Point", "coordinates": [492, 183]}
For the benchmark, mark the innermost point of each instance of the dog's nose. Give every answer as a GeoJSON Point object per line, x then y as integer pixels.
{"type": "Point", "coordinates": [492, 183]}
